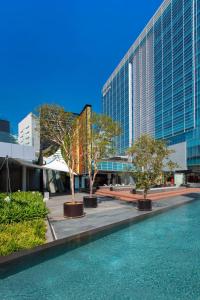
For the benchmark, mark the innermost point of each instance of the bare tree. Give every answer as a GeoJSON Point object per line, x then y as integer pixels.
{"type": "Point", "coordinates": [60, 128]}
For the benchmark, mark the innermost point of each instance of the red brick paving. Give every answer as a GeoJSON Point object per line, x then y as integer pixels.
{"type": "Point", "coordinates": [127, 196]}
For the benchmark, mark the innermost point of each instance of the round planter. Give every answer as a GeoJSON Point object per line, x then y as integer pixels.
{"type": "Point", "coordinates": [73, 209]}
{"type": "Point", "coordinates": [90, 202]}
{"type": "Point", "coordinates": [144, 204]}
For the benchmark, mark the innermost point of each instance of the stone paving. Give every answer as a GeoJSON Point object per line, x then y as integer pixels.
{"type": "Point", "coordinates": [109, 211]}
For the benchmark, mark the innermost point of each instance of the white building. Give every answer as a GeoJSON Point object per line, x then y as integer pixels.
{"type": "Point", "coordinates": [28, 132]}
{"type": "Point", "coordinates": [18, 162]}
{"type": "Point", "coordinates": [16, 151]}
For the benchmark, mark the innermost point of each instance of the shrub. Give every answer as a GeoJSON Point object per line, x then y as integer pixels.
{"type": "Point", "coordinates": [22, 206]}
{"type": "Point", "coordinates": [23, 196]}
{"type": "Point", "coordinates": [23, 235]}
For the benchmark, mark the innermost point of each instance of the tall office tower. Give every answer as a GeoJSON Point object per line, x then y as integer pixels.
{"type": "Point", "coordinates": [4, 126]}
{"type": "Point", "coordinates": [5, 135]}
{"type": "Point", "coordinates": [155, 89]}
{"type": "Point", "coordinates": [28, 132]}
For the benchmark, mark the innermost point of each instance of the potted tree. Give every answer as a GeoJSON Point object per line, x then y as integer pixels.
{"type": "Point", "coordinates": [149, 157]}
{"type": "Point", "coordinates": [60, 128]}
{"type": "Point", "coordinates": [101, 145]}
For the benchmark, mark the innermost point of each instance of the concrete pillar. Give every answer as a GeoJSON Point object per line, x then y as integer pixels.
{"type": "Point", "coordinates": [109, 178]}
{"type": "Point", "coordinates": [24, 173]}
{"type": "Point", "coordinates": [83, 182]}
{"type": "Point", "coordinates": [76, 183]}
{"type": "Point", "coordinates": [45, 180]}
{"type": "Point", "coordinates": [179, 178]}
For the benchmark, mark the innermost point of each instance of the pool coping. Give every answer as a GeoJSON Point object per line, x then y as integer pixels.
{"type": "Point", "coordinates": [12, 258]}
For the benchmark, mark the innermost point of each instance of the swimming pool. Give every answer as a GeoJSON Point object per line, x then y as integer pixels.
{"type": "Point", "coordinates": [158, 258]}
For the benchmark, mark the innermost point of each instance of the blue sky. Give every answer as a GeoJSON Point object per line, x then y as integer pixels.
{"type": "Point", "coordinates": [63, 51]}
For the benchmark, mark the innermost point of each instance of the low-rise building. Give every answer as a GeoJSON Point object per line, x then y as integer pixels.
{"type": "Point", "coordinates": [17, 170]}
{"type": "Point", "coordinates": [29, 133]}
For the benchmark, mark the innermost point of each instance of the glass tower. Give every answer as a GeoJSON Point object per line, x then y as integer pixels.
{"type": "Point", "coordinates": [155, 89]}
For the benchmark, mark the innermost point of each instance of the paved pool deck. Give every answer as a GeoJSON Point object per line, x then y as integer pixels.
{"type": "Point", "coordinates": [108, 212]}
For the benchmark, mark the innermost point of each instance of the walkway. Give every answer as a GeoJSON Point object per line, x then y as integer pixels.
{"type": "Point", "coordinates": [108, 213]}
{"type": "Point", "coordinates": [127, 196]}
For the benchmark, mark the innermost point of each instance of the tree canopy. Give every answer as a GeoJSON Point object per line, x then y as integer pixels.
{"type": "Point", "coordinates": [149, 158]}
{"type": "Point", "coordinates": [101, 139]}
{"type": "Point", "coordinates": [59, 128]}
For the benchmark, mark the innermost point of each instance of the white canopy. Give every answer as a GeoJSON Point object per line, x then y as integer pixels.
{"type": "Point", "coordinates": [56, 162]}
{"type": "Point", "coordinates": [57, 165]}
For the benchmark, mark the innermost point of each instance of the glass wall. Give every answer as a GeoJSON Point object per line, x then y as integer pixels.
{"type": "Point", "coordinates": [116, 104]}
{"type": "Point", "coordinates": [164, 88]}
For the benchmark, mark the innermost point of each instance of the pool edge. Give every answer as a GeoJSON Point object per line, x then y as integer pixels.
{"type": "Point", "coordinates": [12, 258]}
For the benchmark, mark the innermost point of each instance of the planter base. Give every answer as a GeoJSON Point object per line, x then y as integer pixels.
{"type": "Point", "coordinates": [144, 205]}
{"type": "Point", "coordinates": [73, 210]}
{"type": "Point", "coordinates": [90, 202]}
{"type": "Point", "coordinates": [77, 217]}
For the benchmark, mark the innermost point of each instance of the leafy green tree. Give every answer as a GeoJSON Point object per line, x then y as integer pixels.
{"type": "Point", "coordinates": [103, 131]}
{"type": "Point", "coordinates": [149, 157]}
{"type": "Point", "coordinates": [59, 129]}
{"type": "Point", "coordinates": [171, 167]}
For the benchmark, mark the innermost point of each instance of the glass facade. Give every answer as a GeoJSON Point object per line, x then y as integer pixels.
{"type": "Point", "coordinates": [116, 103]}
{"type": "Point", "coordinates": [113, 166]}
{"type": "Point", "coordinates": [156, 87]}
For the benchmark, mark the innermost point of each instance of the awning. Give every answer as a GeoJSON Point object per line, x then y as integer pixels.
{"type": "Point", "coordinates": [54, 165]}
{"type": "Point", "coordinates": [57, 165]}
{"type": "Point", "coordinates": [26, 163]}
{"type": "Point", "coordinates": [56, 162]}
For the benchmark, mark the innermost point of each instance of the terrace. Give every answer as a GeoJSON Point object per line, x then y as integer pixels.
{"type": "Point", "coordinates": [111, 210]}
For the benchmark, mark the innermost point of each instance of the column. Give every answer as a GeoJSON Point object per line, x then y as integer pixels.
{"type": "Point", "coordinates": [24, 174]}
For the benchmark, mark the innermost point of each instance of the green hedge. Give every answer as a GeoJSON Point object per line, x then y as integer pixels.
{"type": "Point", "coordinates": [21, 206]}
{"type": "Point", "coordinates": [23, 235]}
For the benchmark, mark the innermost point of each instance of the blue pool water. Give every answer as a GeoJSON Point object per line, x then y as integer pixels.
{"type": "Point", "coordinates": [158, 258]}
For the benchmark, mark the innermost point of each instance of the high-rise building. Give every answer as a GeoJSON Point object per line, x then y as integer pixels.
{"type": "Point", "coordinates": [28, 132]}
{"type": "Point", "coordinates": [155, 89]}
{"type": "Point", "coordinates": [5, 135]}
{"type": "Point", "coordinates": [4, 126]}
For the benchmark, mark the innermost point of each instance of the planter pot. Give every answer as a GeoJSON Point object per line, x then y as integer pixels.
{"type": "Point", "coordinates": [133, 191]}
{"type": "Point", "coordinates": [144, 205]}
{"type": "Point", "coordinates": [73, 210]}
{"type": "Point", "coordinates": [90, 201]}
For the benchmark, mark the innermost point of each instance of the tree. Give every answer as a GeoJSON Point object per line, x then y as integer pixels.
{"type": "Point", "coordinates": [101, 144]}
{"type": "Point", "coordinates": [59, 129]}
{"type": "Point", "coordinates": [171, 166]}
{"type": "Point", "coordinates": [149, 157]}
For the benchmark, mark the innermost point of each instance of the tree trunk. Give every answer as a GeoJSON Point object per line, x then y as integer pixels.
{"type": "Point", "coordinates": [145, 194]}
{"type": "Point", "coordinates": [92, 180]}
{"type": "Point", "coordinates": [91, 185]}
{"type": "Point", "coordinates": [72, 186]}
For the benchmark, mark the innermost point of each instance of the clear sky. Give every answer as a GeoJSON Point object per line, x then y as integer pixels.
{"type": "Point", "coordinates": [63, 51]}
